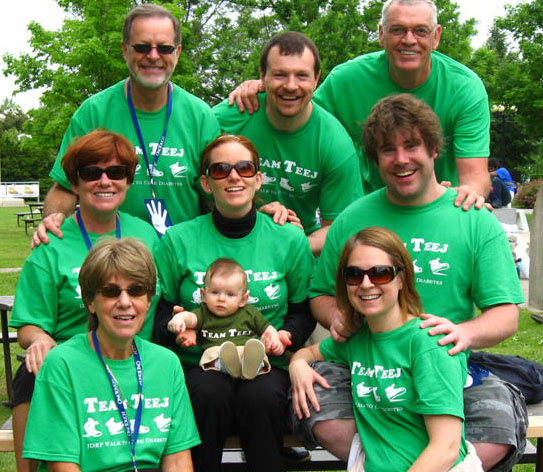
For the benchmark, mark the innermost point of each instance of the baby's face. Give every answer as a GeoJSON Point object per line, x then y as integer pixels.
{"type": "Point", "coordinates": [224, 294]}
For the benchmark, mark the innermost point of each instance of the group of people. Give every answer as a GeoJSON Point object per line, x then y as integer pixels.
{"type": "Point", "coordinates": [231, 224]}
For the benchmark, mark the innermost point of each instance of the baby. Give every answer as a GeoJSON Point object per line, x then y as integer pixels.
{"type": "Point", "coordinates": [224, 314]}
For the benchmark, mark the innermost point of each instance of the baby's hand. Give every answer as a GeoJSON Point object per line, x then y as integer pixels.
{"type": "Point", "coordinates": [177, 324]}
{"type": "Point", "coordinates": [186, 338]}
{"type": "Point", "coordinates": [285, 337]}
{"type": "Point", "coordinates": [273, 343]}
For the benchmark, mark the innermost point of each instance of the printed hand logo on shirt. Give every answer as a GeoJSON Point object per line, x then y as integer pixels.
{"type": "Point", "coordinates": [162, 423]}
{"type": "Point", "coordinates": [416, 268]}
{"type": "Point", "coordinates": [364, 391]}
{"type": "Point", "coordinates": [438, 267]}
{"type": "Point", "coordinates": [272, 291]}
{"type": "Point", "coordinates": [178, 171]}
{"type": "Point", "coordinates": [284, 183]}
{"type": "Point", "coordinates": [90, 429]}
{"type": "Point", "coordinates": [393, 393]}
{"type": "Point", "coordinates": [267, 180]}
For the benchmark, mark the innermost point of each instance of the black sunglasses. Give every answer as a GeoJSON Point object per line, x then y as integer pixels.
{"type": "Point", "coordinates": [221, 170]}
{"type": "Point", "coordinates": [162, 49]}
{"type": "Point", "coordinates": [92, 173]}
{"type": "Point", "coordinates": [379, 275]}
{"type": "Point", "coordinates": [114, 291]}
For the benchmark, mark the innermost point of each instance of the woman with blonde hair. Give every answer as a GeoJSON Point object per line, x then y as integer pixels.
{"type": "Point", "coordinates": [406, 389]}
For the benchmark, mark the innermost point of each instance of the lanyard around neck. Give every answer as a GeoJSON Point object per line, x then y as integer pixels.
{"type": "Point", "coordinates": [85, 234]}
{"type": "Point", "coordinates": [132, 434]}
{"type": "Point", "coordinates": [150, 166]}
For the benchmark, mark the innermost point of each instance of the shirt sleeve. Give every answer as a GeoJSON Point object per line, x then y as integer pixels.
{"type": "Point", "coordinates": [36, 296]}
{"type": "Point", "coordinates": [439, 380]}
{"type": "Point", "coordinates": [52, 429]}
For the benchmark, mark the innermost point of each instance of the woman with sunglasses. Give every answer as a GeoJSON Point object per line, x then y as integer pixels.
{"type": "Point", "coordinates": [102, 401]}
{"type": "Point", "coordinates": [278, 262]}
{"type": "Point", "coordinates": [48, 306]}
{"type": "Point", "coordinates": [406, 389]}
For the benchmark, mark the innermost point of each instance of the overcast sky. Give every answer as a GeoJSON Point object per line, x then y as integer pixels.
{"type": "Point", "coordinates": [14, 34]}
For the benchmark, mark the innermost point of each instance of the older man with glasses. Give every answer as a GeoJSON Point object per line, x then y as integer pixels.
{"type": "Point", "coordinates": [168, 127]}
{"type": "Point", "coordinates": [410, 34]}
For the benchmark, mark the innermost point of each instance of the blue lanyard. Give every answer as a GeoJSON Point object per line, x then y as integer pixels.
{"type": "Point", "coordinates": [140, 136]}
{"type": "Point", "coordinates": [86, 235]}
{"type": "Point", "coordinates": [132, 435]}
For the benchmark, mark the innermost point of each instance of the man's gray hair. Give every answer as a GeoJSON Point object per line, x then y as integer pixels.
{"type": "Point", "coordinates": [149, 10]}
{"type": "Point", "coordinates": [389, 3]}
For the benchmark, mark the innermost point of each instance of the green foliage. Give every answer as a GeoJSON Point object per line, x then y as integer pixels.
{"type": "Point", "coordinates": [527, 194]}
{"type": "Point", "coordinates": [525, 23]}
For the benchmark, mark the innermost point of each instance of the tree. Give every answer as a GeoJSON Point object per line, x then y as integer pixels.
{"type": "Point", "coordinates": [19, 163]}
{"type": "Point", "coordinates": [222, 40]}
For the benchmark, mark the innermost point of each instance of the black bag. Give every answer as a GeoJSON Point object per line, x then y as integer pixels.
{"type": "Point", "coordinates": [525, 374]}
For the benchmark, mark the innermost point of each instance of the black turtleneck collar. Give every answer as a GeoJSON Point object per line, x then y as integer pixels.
{"type": "Point", "coordinates": [234, 228]}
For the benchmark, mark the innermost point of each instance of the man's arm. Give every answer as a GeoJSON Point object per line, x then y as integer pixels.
{"type": "Point", "coordinates": [59, 203]}
{"type": "Point", "coordinates": [326, 312]}
{"type": "Point", "coordinates": [59, 200]}
{"type": "Point", "coordinates": [245, 95]}
{"type": "Point", "coordinates": [495, 324]}
{"type": "Point", "coordinates": [63, 467]}
{"type": "Point", "coordinates": [317, 238]}
{"type": "Point", "coordinates": [473, 182]}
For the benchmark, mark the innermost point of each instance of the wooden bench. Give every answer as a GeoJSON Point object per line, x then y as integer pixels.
{"type": "Point", "coordinates": [31, 221]}
{"type": "Point", "coordinates": [22, 214]}
{"type": "Point", "coordinates": [7, 337]}
{"type": "Point", "coordinates": [233, 460]}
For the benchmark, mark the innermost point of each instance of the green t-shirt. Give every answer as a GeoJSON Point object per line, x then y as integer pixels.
{"type": "Point", "coordinates": [460, 258]}
{"type": "Point", "coordinates": [277, 260]}
{"type": "Point", "coordinates": [177, 174]}
{"type": "Point", "coordinates": [455, 93]}
{"type": "Point", "coordinates": [48, 293]}
{"type": "Point", "coordinates": [74, 418]}
{"type": "Point", "coordinates": [396, 378]}
{"type": "Point", "coordinates": [315, 166]}
{"type": "Point", "coordinates": [246, 323]}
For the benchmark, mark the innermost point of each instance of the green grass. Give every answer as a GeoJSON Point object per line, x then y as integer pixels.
{"type": "Point", "coordinates": [14, 248]}
{"type": "Point", "coordinates": [14, 243]}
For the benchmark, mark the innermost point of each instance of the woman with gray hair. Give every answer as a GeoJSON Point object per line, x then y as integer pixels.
{"type": "Point", "coordinates": [103, 394]}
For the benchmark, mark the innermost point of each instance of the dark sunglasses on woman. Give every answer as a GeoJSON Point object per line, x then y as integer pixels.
{"type": "Point", "coordinates": [221, 170]}
{"type": "Point", "coordinates": [114, 291]}
{"type": "Point", "coordinates": [378, 275]}
{"type": "Point", "coordinates": [92, 173]}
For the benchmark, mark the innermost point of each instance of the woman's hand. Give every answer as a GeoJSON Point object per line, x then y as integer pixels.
{"type": "Point", "coordinates": [285, 337]}
{"type": "Point", "coordinates": [186, 338]}
{"type": "Point", "coordinates": [272, 341]}
{"type": "Point", "coordinates": [302, 378]}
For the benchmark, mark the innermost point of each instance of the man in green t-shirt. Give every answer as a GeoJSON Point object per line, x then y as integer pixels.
{"type": "Point", "coordinates": [409, 34]}
{"type": "Point", "coordinates": [168, 127]}
{"type": "Point", "coordinates": [462, 260]}
{"type": "Point", "coordinates": [307, 158]}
